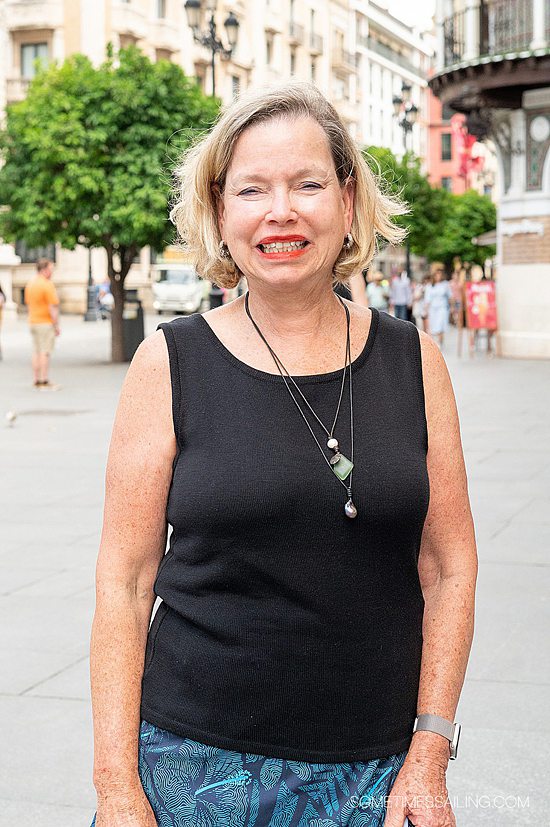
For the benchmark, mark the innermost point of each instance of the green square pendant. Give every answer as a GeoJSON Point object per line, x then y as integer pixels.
{"type": "Point", "coordinates": [343, 467]}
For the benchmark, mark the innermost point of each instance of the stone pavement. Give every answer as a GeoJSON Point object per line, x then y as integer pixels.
{"type": "Point", "coordinates": [53, 462]}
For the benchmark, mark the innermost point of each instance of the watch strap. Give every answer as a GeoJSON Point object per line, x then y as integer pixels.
{"type": "Point", "coordinates": [435, 723]}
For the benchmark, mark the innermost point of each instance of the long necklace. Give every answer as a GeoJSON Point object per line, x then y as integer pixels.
{"type": "Point", "coordinates": [338, 463]}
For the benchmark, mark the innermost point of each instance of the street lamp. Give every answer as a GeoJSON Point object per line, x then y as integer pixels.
{"type": "Point", "coordinates": [406, 113]}
{"type": "Point", "coordinates": [210, 40]}
{"type": "Point", "coordinates": [91, 314]}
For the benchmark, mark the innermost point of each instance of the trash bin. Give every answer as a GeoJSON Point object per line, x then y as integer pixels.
{"type": "Point", "coordinates": [133, 331]}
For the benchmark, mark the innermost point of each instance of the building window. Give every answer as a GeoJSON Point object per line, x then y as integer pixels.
{"type": "Point", "coordinates": [235, 86]}
{"type": "Point", "coordinates": [30, 255]}
{"type": "Point", "coordinates": [446, 112]}
{"type": "Point", "coordinates": [163, 54]}
{"type": "Point", "coordinates": [161, 8]}
{"type": "Point", "coordinates": [29, 53]}
{"type": "Point", "coordinates": [293, 61]}
{"type": "Point", "coordinates": [446, 153]}
{"type": "Point", "coordinates": [269, 48]}
{"type": "Point", "coordinates": [447, 183]}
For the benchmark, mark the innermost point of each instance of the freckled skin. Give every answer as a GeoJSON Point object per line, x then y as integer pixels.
{"type": "Point", "coordinates": [296, 309]}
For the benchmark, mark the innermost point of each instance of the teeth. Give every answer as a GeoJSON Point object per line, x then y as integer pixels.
{"type": "Point", "coordinates": [279, 246]}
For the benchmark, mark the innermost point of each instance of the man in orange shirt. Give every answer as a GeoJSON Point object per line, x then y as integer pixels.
{"type": "Point", "coordinates": [43, 304]}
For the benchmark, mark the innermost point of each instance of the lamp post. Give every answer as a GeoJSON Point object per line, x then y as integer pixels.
{"type": "Point", "coordinates": [210, 40]}
{"type": "Point", "coordinates": [406, 113]}
{"type": "Point", "coordinates": [91, 314]}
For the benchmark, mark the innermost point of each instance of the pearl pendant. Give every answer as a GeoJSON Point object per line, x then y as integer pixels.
{"type": "Point", "coordinates": [350, 509]}
{"type": "Point", "coordinates": [332, 443]}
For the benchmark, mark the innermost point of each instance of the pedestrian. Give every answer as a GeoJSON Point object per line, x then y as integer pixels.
{"type": "Point", "coordinates": [437, 298]}
{"type": "Point", "coordinates": [419, 308]}
{"type": "Point", "coordinates": [43, 306]}
{"type": "Point", "coordinates": [315, 598]}
{"type": "Point", "coordinates": [401, 295]}
{"type": "Point", "coordinates": [377, 293]}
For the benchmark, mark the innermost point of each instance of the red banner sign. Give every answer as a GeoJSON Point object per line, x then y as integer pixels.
{"type": "Point", "coordinates": [481, 306]}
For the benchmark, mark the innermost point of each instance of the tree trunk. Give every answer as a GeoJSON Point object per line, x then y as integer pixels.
{"type": "Point", "coordinates": [117, 278]}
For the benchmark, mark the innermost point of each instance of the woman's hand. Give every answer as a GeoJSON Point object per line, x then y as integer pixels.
{"type": "Point", "coordinates": [420, 794]}
{"type": "Point", "coordinates": [130, 808]}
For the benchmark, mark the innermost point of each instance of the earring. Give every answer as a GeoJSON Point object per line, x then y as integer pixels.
{"type": "Point", "coordinates": [224, 250]}
{"type": "Point", "coordinates": [348, 241]}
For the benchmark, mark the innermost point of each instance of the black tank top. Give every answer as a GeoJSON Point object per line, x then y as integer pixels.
{"type": "Point", "coordinates": [287, 629]}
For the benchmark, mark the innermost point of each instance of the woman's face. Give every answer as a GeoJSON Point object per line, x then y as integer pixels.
{"type": "Point", "coordinates": [282, 187]}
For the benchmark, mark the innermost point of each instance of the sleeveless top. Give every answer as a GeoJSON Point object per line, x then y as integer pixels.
{"type": "Point", "coordinates": [287, 629]}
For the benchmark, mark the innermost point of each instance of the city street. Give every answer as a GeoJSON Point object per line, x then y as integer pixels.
{"type": "Point", "coordinates": [53, 460]}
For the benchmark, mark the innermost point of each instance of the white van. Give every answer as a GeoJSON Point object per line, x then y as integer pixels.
{"type": "Point", "coordinates": [177, 288]}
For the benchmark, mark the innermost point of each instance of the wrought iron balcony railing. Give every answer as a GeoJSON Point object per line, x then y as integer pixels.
{"type": "Point", "coordinates": [501, 27]}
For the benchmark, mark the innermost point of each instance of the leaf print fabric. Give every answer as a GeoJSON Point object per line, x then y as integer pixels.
{"type": "Point", "coordinates": [190, 784]}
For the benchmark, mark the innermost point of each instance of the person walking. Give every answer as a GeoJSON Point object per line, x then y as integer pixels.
{"type": "Point", "coordinates": [437, 299]}
{"type": "Point", "coordinates": [419, 309]}
{"type": "Point", "coordinates": [43, 306]}
{"type": "Point", "coordinates": [401, 295]}
{"type": "Point", "coordinates": [306, 658]}
{"type": "Point", "coordinates": [377, 293]}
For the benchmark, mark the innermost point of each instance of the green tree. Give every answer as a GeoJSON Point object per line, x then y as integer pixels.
{"type": "Point", "coordinates": [466, 216]}
{"type": "Point", "coordinates": [427, 204]}
{"type": "Point", "coordinates": [88, 157]}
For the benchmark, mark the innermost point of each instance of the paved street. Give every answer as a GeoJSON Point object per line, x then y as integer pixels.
{"type": "Point", "coordinates": [53, 462]}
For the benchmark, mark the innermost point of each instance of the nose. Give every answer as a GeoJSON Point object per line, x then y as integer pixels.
{"type": "Point", "coordinates": [281, 209]}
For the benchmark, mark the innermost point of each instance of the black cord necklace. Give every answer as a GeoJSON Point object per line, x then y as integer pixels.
{"type": "Point", "coordinates": [338, 463]}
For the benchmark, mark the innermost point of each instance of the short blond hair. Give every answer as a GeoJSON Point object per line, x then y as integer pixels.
{"type": "Point", "coordinates": [203, 168]}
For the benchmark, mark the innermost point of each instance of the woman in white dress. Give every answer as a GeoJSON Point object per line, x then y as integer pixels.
{"type": "Point", "coordinates": [438, 299]}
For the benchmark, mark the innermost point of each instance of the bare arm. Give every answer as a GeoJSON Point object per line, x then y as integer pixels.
{"type": "Point", "coordinates": [133, 541]}
{"type": "Point", "coordinates": [448, 571]}
{"type": "Point", "coordinates": [448, 556]}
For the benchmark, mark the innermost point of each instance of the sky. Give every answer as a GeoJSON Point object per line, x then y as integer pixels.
{"type": "Point", "coordinates": [418, 12]}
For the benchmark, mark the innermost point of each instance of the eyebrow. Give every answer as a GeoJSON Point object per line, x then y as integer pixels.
{"type": "Point", "coordinates": [304, 171]}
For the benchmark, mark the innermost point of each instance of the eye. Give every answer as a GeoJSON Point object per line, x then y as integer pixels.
{"type": "Point", "coordinates": [249, 191]}
{"type": "Point", "coordinates": [311, 184]}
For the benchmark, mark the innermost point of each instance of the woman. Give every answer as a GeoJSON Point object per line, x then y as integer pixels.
{"type": "Point", "coordinates": [419, 309]}
{"type": "Point", "coordinates": [315, 597]}
{"type": "Point", "coordinates": [437, 299]}
{"type": "Point", "coordinates": [378, 295]}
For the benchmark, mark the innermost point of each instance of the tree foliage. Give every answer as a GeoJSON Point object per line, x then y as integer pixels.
{"type": "Point", "coordinates": [441, 225]}
{"type": "Point", "coordinates": [88, 156]}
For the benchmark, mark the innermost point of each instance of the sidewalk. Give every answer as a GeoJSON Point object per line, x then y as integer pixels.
{"type": "Point", "coordinates": [52, 494]}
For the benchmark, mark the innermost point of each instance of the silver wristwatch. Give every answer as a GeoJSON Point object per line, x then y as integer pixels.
{"type": "Point", "coordinates": [434, 723]}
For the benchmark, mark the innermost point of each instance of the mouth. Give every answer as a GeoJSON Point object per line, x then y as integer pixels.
{"type": "Point", "coordinates": [275, 247]}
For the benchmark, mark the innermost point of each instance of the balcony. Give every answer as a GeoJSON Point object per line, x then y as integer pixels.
{"type": "Point", "coordinates": [492, 53]}
{"type": "Point", "coordinates": [394, 57]}
{"type": "Point", "coordinates": [16, 89]}
{"type": "Point", "coordinates": [344, 61]}
{"type": "Point", "coordinates": [129, 20]}
{"type": "Point", "coordinates": [315, 43]}
{"type": "Point", "coordinates": [38, 14]}
{"type": "Point", "coordinates": [296, 33]}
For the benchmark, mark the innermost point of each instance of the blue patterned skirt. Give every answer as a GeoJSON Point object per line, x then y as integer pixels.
{"type": "Point", "coordinates": [189, 783]}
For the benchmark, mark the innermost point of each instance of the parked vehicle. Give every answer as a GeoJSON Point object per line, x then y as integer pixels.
{"type": "Point", "coordinates": [178, 289]}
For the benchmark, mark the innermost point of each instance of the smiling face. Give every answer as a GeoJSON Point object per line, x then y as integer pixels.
{"type": "Point", "coordinates": [283, 212]}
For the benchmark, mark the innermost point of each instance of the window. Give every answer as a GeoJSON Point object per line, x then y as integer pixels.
{"type": "Point", "coordinates": [446, 153]}
{"type": "Point", "coordinates": [447, 184]}
{"type": "Point", "coordinates": [163, 54]}
{"type": "Point", "coordinates": [235, 86]}
{"type": "Point", "coordinates": [269, 48]}
{"type": "Point", "coordinates": [293, 61]}
{"type": "Point", "coordinates": [29, 255]}
{"type": "Point", "coordinates": [446, 112]}
{"type": "Point", "coordinates": [29, 53]}
{"type": "Point", "coordinates": [161, 8]}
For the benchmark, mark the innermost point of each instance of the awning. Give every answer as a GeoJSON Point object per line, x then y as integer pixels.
{"type": "Point", "coordinates": [483, 240]}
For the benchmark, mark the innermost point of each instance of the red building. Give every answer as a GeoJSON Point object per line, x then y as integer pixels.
{"type": "Point", "coordinates": [451, 163]}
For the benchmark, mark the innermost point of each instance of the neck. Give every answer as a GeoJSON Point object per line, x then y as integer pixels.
{"type": "Point", "coordinates": [295, 312]}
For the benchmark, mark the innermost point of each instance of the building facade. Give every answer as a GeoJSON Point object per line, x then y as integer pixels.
{"type": "Point", "coordinates": [353, 50]}
{"type": "Point", "coordinates": [494, 66]}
